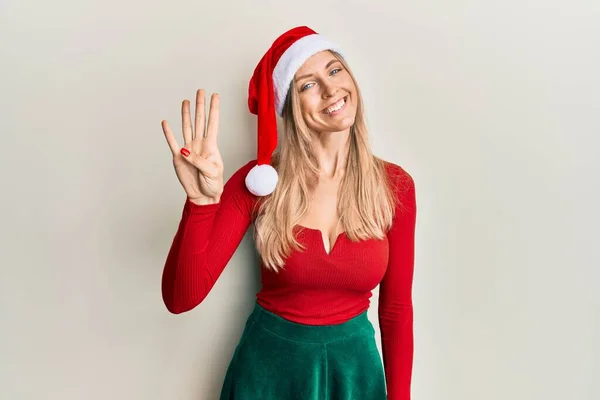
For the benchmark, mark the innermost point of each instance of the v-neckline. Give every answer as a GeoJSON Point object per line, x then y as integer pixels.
{"type": "Point", "coordinates": [322, 241]}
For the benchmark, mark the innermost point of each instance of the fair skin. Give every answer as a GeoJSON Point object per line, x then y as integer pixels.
{"type": "Point", "coordinates": [320, 83]}
{"type": "Point", "coordinates": [198, 164]}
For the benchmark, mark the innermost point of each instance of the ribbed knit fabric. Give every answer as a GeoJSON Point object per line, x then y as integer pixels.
{"type": "Point", "coordinates": [314, 288]}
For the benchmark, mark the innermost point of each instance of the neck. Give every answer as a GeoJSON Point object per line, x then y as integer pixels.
{"type": "Point", "coordinates": [331, 149]}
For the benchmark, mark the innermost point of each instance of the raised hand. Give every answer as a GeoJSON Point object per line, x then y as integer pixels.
{"type": "Point", "coordinates": [198, 163]}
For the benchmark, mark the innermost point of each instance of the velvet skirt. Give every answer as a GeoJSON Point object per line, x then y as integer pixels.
{"type": "Point", "coordinates": [277, 359]}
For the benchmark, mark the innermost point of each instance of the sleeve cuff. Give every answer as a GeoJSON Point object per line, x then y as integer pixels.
{"type": "Point", "coordinates": [192, 208]}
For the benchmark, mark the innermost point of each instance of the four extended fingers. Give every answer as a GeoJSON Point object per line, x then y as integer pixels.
{"type": "Point", "coordinates": [193, 139]}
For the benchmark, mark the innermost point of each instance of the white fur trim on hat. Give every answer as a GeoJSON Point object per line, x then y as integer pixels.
{"type": "Point", "coordinates": [291, 61]}
{"type": "Point", "coordinates": [262, 180]}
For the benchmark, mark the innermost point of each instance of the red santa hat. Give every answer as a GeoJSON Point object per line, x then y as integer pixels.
{"type": "Point", "coordinates": [267, 92]}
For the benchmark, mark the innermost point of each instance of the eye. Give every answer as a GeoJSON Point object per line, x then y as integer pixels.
{"type": "Point", "coordinates": [305, 87]}
{"type": "Point", "coordinates": [332, 72]}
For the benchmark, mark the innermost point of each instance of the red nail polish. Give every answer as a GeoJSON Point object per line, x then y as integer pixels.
{"type": "Point", "coordinates": [185, 151]}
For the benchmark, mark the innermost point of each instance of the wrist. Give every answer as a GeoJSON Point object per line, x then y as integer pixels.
{"type": "Point", "coordinates": [201, 201]}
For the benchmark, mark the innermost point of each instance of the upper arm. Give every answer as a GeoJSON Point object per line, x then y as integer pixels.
{"type": "Point", "coordinates": [396, 286]}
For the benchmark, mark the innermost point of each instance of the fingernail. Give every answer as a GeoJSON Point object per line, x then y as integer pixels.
{"type": "Point", "coordinates": [185, 152]}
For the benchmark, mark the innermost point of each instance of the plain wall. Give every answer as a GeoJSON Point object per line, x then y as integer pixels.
{"type": "Point", "coordinates": [492, 106]}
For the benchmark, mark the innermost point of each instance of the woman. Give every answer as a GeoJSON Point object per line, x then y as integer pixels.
{"type": "Point", "coordinates": [332, 221]}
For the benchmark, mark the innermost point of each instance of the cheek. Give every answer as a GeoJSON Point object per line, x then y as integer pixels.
{"type": "Point", "coordinates": [311, 105]}
{"type": "Point", "coordinates": [350, 85]}
{"type": "Point", "coordinates": [306, 103]}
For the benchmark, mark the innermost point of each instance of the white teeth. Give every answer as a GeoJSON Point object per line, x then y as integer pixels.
{"type": "Point", "coordinates": [335, 107]}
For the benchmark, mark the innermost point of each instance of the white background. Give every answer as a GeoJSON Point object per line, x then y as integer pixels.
{"type": "Point", "coordinates": [492, 106]}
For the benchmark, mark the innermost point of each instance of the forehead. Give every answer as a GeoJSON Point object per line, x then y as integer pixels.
{"type": "Point", "coordinates": [315, 63]}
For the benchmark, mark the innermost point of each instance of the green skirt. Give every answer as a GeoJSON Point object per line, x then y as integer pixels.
{"type": "Point", "coordinates": [277, 359]}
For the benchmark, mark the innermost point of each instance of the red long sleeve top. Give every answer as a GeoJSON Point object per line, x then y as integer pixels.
{"type": "Point", "coordinates": [315, 287]}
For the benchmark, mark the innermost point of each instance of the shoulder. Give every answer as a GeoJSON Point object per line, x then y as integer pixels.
{"type": "Point", "coordinates": [401, 181]}
{"type": "Point", "coordinates": [403, 188]}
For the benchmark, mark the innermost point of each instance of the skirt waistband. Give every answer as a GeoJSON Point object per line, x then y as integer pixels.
{"type": "Point", "coordinates": [309, 333]}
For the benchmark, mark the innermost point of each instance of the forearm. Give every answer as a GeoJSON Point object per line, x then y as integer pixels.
{"type": "Point", "coordinates": [186, 279]}
{"type": "Point", "coordinates": [397, 342]}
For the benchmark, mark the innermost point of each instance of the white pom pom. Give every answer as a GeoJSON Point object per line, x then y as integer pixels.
{"type": "Point", "coordinates": [261, 180]}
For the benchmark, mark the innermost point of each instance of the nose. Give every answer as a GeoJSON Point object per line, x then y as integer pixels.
{"type": "Point", "coordinates": [329, 90]}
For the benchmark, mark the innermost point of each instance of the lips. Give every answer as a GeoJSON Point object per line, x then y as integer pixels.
{"type": "Point", "coordinates": [345, 99]}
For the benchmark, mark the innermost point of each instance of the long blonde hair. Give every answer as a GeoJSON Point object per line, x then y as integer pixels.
{"type": "Point", "coordinates": [366, 202]}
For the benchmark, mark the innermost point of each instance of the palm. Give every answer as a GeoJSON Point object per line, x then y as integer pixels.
{"type": "Point", "coordinates": [201, 172]}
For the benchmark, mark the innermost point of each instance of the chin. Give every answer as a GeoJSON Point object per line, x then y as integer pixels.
{"type": "Point", "coordinates": [339, 124]}
{"type": "Point", "coordinates": [342, 124]}
{"type": "Point", "coordinates": [345, 125]}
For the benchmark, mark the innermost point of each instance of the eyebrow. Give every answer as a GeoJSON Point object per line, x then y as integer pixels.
{"type": "Point", "coordinates": [327, 66]}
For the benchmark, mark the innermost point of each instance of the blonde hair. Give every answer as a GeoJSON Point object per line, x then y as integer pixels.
{"type": "Point", "coordinates": [366, 202]}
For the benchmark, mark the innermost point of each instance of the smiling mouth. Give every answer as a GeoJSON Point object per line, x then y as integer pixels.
{"type": "Point", "coordinates": [336, 107]}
